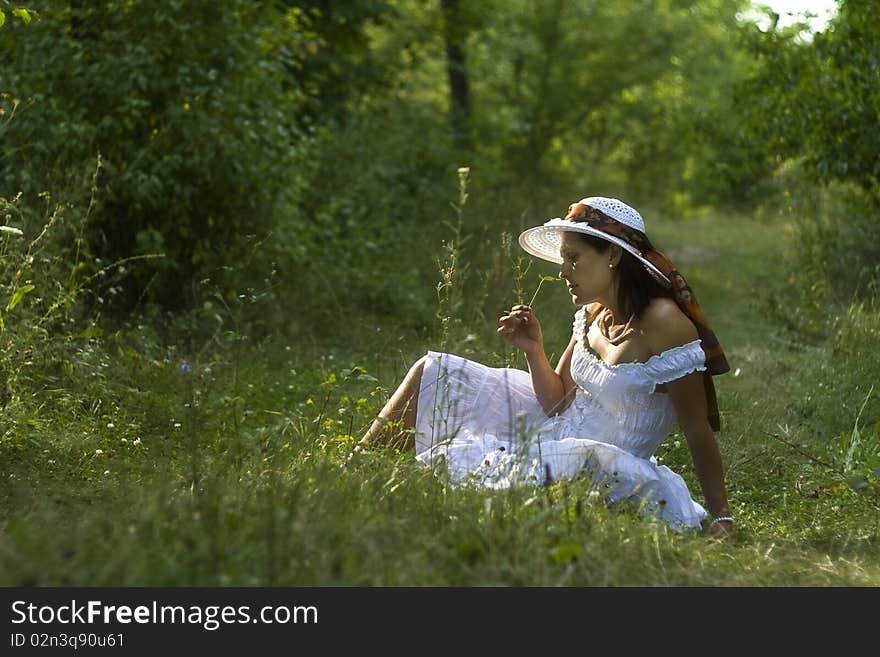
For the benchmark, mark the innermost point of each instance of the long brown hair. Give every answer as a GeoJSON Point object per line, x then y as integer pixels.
{"type": "Point", "coordinates": [636, 286]}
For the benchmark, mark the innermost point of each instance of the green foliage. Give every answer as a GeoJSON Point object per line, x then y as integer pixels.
{"type": "Point", "coordinates": [636, 95]}
{"type": "Point", "coordinates": [813, 103]}
{"type": "Point", "coordinates": [337, 64]}
{"type": "Point", "coordinates": [21, 13]}
{"type": "Point", "coordinates": [189, 108]}
{"type": "Point", "coordinates": [294, 163]}
{"type": "Point", "coordinates": [204, 457]}
{"type": "Point", "coordinates": [820, 98]}
{"type": "Point", "coordinates": [838, 252]}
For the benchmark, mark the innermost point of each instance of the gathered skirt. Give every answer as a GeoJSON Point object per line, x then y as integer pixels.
{"type": "Point", "coordinates": [486, 427]}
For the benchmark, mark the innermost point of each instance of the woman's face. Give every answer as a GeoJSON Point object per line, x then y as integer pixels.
{"type": "Point", "coordinates": [585, 270]}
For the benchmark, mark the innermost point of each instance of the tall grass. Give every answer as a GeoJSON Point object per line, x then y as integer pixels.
{"type": "Point", "coordinates": [209, 458]}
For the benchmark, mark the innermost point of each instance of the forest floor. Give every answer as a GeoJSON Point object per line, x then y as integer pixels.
{"type": "Point", "coordinates": [142, 462]}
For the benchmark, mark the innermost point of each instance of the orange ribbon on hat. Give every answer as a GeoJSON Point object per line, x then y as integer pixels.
{"type": "Point", "coordinates": [716, 361]}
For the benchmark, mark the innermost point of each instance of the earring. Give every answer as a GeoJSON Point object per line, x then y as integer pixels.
{"type": "Point", "coordinates": [611, 266]}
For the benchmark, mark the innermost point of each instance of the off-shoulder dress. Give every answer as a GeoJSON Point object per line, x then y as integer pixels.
{"type": "Point", "coordinates": [488, 427]}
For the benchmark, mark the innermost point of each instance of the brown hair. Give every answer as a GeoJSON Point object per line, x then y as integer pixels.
{"type": "Point", "coordinates": [636, 286]}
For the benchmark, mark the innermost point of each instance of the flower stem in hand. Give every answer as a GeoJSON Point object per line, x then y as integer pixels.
{"type": "Point", "coordinates": [544, 279]}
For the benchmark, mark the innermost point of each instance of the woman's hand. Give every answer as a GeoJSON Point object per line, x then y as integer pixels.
{"type": "Point", "coordinates": [521, 328]}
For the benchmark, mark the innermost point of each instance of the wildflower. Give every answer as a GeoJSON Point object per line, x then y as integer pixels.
{"type": "Point", "coordinates": [177, 425]}
{"type": "Point", "coordinates": [11, 230]}
{"type": "Point", "coordinates": [98, 452]}
{"type": "Point", "coordinates": [106, 472]}
{"type": "Point", "coordinates": [110, 425]}
{"type": "Point", "coordinates": [186, 367]}
{"type": "Point", "coordinates": [137, 441]}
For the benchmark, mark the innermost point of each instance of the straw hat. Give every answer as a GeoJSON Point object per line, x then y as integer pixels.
{"type": "Point", "coordinates": [544, 241]}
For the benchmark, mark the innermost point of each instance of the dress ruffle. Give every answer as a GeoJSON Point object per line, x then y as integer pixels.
{"type": "Point", "coordinates": [484, 426]}
{"type": "Point", "coordinates": [616, 474]}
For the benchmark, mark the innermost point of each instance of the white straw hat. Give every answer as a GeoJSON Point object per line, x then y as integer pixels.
{"type": "Point", "coordinates": [544, 241]}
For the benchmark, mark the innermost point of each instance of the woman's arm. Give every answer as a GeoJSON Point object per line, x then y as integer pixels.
{"type": "Point", "coordinates": [553, 388]}
{"type": "Point", "coordinates": [669, 327]}
{"type": "Point", "coordinates": [689, 399]}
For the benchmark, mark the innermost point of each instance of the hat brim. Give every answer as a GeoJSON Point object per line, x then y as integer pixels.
{"type": "Point", "coordinates": [544, 242]}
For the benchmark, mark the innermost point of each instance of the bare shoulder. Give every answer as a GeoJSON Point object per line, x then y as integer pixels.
{"type": "Point", "coordinates": [664, 325]}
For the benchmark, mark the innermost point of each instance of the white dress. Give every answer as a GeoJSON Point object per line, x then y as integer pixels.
{"type": "Point", "coordinates": [489, 428]}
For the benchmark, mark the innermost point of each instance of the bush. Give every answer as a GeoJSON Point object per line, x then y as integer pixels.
{"type": "Point", "coordinates": [838, 254]}
{"type": "Point", "coordinates": [189, 106]}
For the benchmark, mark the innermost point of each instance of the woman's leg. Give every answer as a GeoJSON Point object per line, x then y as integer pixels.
{"type": "Point", "coordinates": [393, 427]}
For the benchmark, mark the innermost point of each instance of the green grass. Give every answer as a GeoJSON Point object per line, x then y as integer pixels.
{"type": "Point", "coordinates": [147, 462]}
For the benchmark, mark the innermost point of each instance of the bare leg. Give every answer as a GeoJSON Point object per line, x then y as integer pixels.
{"type": "Point", "coordinates": [393, 427]}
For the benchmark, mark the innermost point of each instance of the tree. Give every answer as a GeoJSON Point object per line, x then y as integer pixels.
{"type": "Point", "coordinates": [639, 88]}
{"type": "Point", "coordinates": [189, 106]}
{"type": "Point", "coordinates": [820, 99]}
{"type": "Point", "coordinates": [455, 32]}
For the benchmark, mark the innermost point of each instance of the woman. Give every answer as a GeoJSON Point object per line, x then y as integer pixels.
{"type": "Point", "coordinates": [640, 358]}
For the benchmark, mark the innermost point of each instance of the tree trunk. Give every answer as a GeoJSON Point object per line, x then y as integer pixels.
{"type": "Point", "coordinates": [456, 63]}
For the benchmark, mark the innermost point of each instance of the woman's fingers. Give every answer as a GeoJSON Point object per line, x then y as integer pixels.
{"type": "Point", "coordinates": [519, 316]}
{"type": "Point", "coordinates": [520, 312]}
{"type": "Point", "coordinates": [512, 321]}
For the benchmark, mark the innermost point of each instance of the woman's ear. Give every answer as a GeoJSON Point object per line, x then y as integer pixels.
{"type": "Point", "coordinates": [615, 254]}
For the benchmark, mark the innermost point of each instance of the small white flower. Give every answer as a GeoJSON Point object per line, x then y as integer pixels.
{"type": "Point", "coordinates": [11, 230]}
{"type": "Point", "coordinates": [124, 441]}
{"type": "Point", "coordinates": [106, 472]}
{"type": "Point", "coordinates": [110, 425]}
{"type": "Point", "coordinates": [98, 452]}
{"type": "Point", "coordinates": [737, 373]}
{"type": "Point", "coordinates": [177, 425]}
{"type": "Point", "coordinates": [137, 442]}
